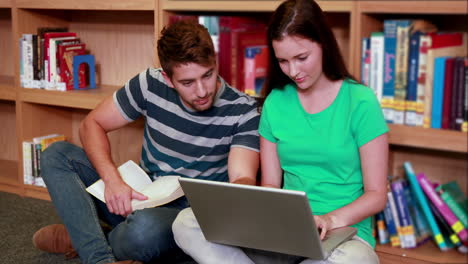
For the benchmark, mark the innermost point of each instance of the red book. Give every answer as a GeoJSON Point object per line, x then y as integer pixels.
{"type": "Point", "coordinates": [445, 39]}
{"type": "Point", "coordinates": [65, 56]}
{"type": "Point", "coordinates": [245, 39]}
{"type": "Point", "coordinates": [47, 37]}
{"type": "Point", "coordinates": [447, 101]}
{"type": "Point", "coordinates": [230, 27]}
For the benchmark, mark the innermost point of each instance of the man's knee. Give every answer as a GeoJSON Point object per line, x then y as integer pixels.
{"type": "Point", "coordinates": [56, 152]}
{"type": "Point", "coordinates": [144, 235]}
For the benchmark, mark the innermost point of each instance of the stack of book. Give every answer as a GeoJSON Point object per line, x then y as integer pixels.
{"type": "Point", "coordinates": [46, 59]}
{"type": "Point", "coordinates": [418, 74]}
{"type": "Point", "coordinates": [32, 157]}
{"type": "Point", "coordinates": [418, 210]}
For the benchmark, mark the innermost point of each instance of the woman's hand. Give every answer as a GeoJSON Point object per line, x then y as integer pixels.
{"type": "Point", "coordinates": [324, 223]}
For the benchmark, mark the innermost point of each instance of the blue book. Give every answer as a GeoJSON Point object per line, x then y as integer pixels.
{"type": "Point", "coordinates": [412, 88]}
{"type": "Point", "coordinates": [388, 93]}
{"type": "Point", "coordinates": [438, 92]}
{"type": "Point", "coordinates": [422, 200]}
{"type": "Point", "coordinates": [391, 228]}
{"type": "Point", "coordinates": [406, 223]}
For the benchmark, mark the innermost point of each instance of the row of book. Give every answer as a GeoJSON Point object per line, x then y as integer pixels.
{"type": "Point", "coordinates": [241, 46]}
{"type": "Point", "coordinates": [399, 64]}
{"type": "Point", "coordinates": [32, 155]}
{"type": "Point", "coordinates": [46, 59]}
{"type": "Point", "coordinates": [418, 210]}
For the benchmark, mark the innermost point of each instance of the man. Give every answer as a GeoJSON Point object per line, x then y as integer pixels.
{"type": "Point", "coordinates": [196, 125]}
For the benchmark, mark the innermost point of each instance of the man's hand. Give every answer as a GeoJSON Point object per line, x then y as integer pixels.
{"type": "Point", "coordinates": [119, 195]}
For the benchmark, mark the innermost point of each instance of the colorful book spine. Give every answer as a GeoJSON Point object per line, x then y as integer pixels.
{"type": "Point", "coordinates": [448, 215]}
{"type": "Point", "coordinates": [465, 104]}
{"type": "Point", "coordinates": [27, 163]}
{"type": "Point", "coordinates": [447, 101]}
{"type": "Point", "coordinates": [455, 200]}
{"type": "Point", "coordinates": [388, 94]}
{"type": "Point", "coordinates": [396, 218]}
{"type": "Point", "coordinates": [377, 59]}
{"type": "Point", "coordinates": [411, 96]}
{"type": "Point", "coordinates": [390, 223]}
{"type": "Point", "coordinates": [437, 235]}
{"type": "Point", "coordinates": [438, 92]}
{"type": "Point", "coordinates": [421, 228]}
{"type": "Point", "coordinates": [406, 224]}
{"type": "Point", "coordinates": [447, 231]}
{"type": "Point", "coordinates": [365, 61]}
{"type": "Point", "coordinates": [458, 93]}
{"type": "Point", "coordinates": [401, 70]}
{"type": "Point", "coordinates": [382, 232]}
{"type": "Point", "coordinates": [424, 44]}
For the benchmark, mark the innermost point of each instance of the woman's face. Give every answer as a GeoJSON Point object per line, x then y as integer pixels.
{"type": "Point", "coordinates": [300, 59]}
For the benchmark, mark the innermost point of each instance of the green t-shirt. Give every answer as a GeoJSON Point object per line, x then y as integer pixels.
{"type": "Point", "coordinates": [319, 153]}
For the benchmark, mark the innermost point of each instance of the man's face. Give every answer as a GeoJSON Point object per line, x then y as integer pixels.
{"type": "Point", "coordinates": [196, 85]}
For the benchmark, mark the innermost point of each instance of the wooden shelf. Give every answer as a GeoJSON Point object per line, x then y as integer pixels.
{"type": "Point", "coordinates": [8, 176]}
{"type": "Point", "coordinates": [87, 4]}
{"type": "Point", "coordinates": [245, 6]}
{"type": "Point", "coordinates": [425, 253]}
{"type": "Point", "coordinates": [428, 138]}
{"type": "Point", "coordinates": [7, 88]}
{"type": "Point", "coordinates": [5, 3]}
{"type": "Point", "coordinates": [36, 192]}
{"type": "Point", "coordinates": [83, 99]}
{"type": "Point", "coordinates": [411, 7]}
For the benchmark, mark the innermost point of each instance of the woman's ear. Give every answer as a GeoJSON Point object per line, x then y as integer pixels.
{"type": "Point", "coordinates": [167, 79]}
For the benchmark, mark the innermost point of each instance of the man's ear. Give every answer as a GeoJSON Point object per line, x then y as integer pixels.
{"type": "Point", "coordinates": [167, 79]}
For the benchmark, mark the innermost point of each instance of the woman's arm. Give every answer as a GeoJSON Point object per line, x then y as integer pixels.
{"type": "Point", "coordinates": [272, 174]}
{"type": "Point", "coordinates": [374, 164]}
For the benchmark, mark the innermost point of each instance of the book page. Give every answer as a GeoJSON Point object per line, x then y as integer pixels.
{"type": "Point", "coordinates": [132, 175]}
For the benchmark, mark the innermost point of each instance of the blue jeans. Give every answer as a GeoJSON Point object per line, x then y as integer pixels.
{"type": "Point", "coordinates": [145, 235]}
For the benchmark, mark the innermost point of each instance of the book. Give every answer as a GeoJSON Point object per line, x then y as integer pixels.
{"type": "Point", "coordinates": [422, 200]}
{"type": "Point", "coordinates": [455, 199]}
{"type": "Point", "coordinates": [229, 29]}
{"type": "Point", "coordinates": [465, 103]}
{"type": "Point", "coordinates": [247, 40]}
{"type": "Point", "coordinates": [451, 237]}
{"type": "Point", "coordinates": [442, 44]}
{"type": "Point", "coordinates": [421, 228]}
{"type": "Point", "coordinates": [382, 233]}
{"type": "Point", "coordinates": [390, 224]}
{"type": "Point", "coordinates": [424, 44]}
{"type": "Point", "coordinates": [406, 223]}
{"type": "Point", "coordinates": [65, 57]}
{"type": "Point", "coordinates": [458, 94]}
{"type": "Point", "coordinates": [161, 191]}
{"type": "Point", "coordinates": [401, 69]}
{"type": "Point", "coordinates": [365, 61]}
{"type": "Point", "coordinates": [447, 100]}
{"type": "Point", "coordinates": [388, 94]}
{"type": "Point", "coordinates": [412, 87]}
{"type": "Point", "coordinates": [396, 218]}
{"type": "Point", "coordinates": [438, 92]}
{"type": "Point", "coordinates": [377, 66]}
{"type": "Point", "coordinates": [255, 69]}
{"type": "Point", "coordinates": [444, 210]}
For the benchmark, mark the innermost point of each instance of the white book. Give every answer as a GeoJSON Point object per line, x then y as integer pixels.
{"type": "Point", "coordinates": [377, 63]}
{"type": "Point", "coordinates": [159, 192]}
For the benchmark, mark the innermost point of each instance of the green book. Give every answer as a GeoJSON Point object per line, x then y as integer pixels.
{"type": "Point", "coordinates": [455, 199]}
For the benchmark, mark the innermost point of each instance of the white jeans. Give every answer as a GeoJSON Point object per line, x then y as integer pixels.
{"type": "Point", "coordinates": [190, 239]}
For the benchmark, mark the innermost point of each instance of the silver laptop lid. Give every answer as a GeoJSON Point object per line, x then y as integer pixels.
{"type": "Point", "coordinates": [255, 217]}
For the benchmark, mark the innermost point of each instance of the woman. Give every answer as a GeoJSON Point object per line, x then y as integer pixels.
{"type": "Point", "coordinates": [332, 145]}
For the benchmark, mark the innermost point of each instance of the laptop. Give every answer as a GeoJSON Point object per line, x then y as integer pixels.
{"type": "Point", "coordinates": [262, 218]}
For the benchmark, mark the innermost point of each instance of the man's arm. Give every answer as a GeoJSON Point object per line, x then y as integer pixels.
{"type": "Point", "coordinates": [93, 135]}
{"type": "Point", "coordinates": [243, 165]}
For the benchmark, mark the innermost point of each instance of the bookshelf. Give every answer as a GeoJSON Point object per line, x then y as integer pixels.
{"type": "Point", "coordinates": [122, 36]}
{"type": "Point", "coordinates": [442, 155]}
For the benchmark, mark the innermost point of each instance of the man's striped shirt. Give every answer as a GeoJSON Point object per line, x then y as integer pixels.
{"type": "Point", "coordinates": [180, 141]}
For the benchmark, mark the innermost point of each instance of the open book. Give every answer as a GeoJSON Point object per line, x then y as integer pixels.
{"type": "Point", "coordinates": [161, 191]}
